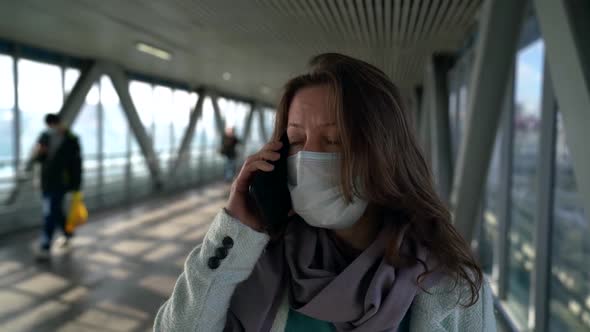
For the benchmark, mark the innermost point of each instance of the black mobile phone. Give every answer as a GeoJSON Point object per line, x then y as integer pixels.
{"type": "Point", "coordinates": [269, 190]}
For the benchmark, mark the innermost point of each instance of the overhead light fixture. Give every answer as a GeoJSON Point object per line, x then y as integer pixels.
{"type": "Point", "coordinates": [154, 51]}
{"type": "Point", "coordinates": [265, 90]}
{"type": "Point", "coordinates": [226, 76]}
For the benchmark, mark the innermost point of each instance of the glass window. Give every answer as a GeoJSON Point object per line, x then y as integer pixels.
{"type": "Point", "coordinates": [143, 100]}
{"type": "Point", "coordinates": [224, 107]}
{"type": "Point", "coordinates": [227, 109]}
{"type": "Point", "coordinates": [163, 127]}
{"type": "Point", "coordinates": [198, 146]}
{"type": "Point", "coordinates": [6, 82]}
{"type": "Point", "coordinates": [115, 122]}
{"type": "Point", "coordinates": [93, 96]}
{"type": "Point", "coordinates": [138, 161]}
{"type": "Point", "coordinates": [235, 114]}
{"type": "Point", "coordinates": [165, 114]}
{"type": "Point", "coordinates": [489, 229]}
{"type": "Point", "coordinates": [241, 115]}
{"type": "Point", "coordinates": [269, 121]}
{"type": "Point", "coordinates": [39, 92]}
{"type": "Point", "coordinates": [570, 271]}
{"type": "Point", "coordinates": [194, 97]}
{"type": "Point", "coordinates": [255, 140]}
{"type": "Point", "coordinates": [114, 138]}
{"type": "Point", "coordinates": [6, 125]}
{"type": "Point", "coordinates": [183, 105]}
{"type": "Point", "coordinates": [457, 103]}
{"type": "Point", "coordinates": [527, 118]}
{"type": "Point", "coordinates": [212, 137]}
{"type": "Point", "coordinates": [206, 142]}
{"type": "Point", "coordinates": [140, 176]}
{"type": "Point", "coordinates": [162, 118]}
{"type": "Point", "coordinates": [71, 76]}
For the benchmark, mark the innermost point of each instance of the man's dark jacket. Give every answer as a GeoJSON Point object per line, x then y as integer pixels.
{"type": "Point", "coordinates": [63, 170]}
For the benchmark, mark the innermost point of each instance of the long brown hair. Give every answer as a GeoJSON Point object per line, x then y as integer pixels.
{"type": "Point", "coordinates": [380, 148]}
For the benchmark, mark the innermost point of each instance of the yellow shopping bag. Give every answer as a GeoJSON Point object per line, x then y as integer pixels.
{"type": "Point", "coordinates": [78, 214]}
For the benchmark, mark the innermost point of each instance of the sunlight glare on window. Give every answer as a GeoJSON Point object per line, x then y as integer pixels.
{"type": "Point", "coordinates": [70, 78]}
{"type": "Point", "coordinates": [108, 94]}
{"type": "Point", "coordinates": [6, 82]}
{"type": "Point", "coordinates": [142, 96]}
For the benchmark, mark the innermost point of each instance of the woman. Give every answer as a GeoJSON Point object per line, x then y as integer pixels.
{"type": "Point", "coordinates": [369, 245]}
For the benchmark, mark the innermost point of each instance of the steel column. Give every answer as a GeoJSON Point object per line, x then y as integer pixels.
{"type": "Point", "coordinates": [502, 261]}
{"type": "Point", "coordinates": [219, 121]}
{"type": "Point", "coordinates": [417, 109]}
{"type": "Point", "coordinates": [501, 21]}
{"type": "Point", "coordinates": [541, 275]}
{"type": "Point", "coordinates": [121, 84]}
{"type": "Point", "coordinates": [440, 125]}
{"type": "Point", "coordinates": [128, 171]}
{"type": "Point", "coordinates": [187, 138]}
{"type": "Point", "coordinates": [73, 104]}
{"type": "Point", "coordinates": [565, 26]}
{"type": "Point", "coordinates": [424, 131]}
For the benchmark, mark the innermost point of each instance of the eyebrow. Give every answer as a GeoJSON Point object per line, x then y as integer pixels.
{"type": "Point", "coordinates": [296, 125]}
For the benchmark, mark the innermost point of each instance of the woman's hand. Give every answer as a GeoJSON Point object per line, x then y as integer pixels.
{"type": "Point", "coordinates": [237, 205]}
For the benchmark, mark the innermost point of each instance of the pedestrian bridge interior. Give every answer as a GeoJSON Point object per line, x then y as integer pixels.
{"type": "Point", "coordinates": [498, 91]}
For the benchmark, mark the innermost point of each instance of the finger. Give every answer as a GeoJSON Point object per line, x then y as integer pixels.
{"type": "Point", "coordinates": [252, 167]}
{"type": "Point", "coordinates": [263, 155]}
{"type": "Point", "coordinates": [274, 145]}
{"type": "Point", "coordinates": [243, 179]}
{"type": "Point", "coordinates": [260, 165]}
{"type": "Point", "coordinates": [268, 155]}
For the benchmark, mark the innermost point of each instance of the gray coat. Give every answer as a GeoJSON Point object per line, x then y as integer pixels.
{"type": "Point", "coordinates": [202, 294]}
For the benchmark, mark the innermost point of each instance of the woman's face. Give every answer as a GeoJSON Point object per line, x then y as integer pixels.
{"type": "Point", "coordinates": [311, 125]}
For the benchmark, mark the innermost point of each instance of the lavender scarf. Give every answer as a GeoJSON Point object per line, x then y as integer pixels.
{"type": "Point", "coordinates": [356, 295]}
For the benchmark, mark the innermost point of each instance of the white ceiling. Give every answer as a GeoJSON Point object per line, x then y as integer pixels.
{"type": "Point", "coordinates": [260, 42]}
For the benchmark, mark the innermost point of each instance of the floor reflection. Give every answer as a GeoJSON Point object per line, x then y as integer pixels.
{"type": "Point", "coordinates": [120, 269]}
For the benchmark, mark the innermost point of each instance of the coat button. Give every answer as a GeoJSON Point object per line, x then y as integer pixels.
{"type": "Point", "coordinates": [213, 263]}
{"type": "Point", "coordinates": [221, 252]}
{"type": "Point", "coordinates": [228, 242]}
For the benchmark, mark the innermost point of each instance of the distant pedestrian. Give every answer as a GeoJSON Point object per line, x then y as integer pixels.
{"type": "Point", "coordinates": [58, 152]}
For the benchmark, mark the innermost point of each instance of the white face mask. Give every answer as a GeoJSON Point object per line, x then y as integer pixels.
{"type": "Point", "coordinates": [316, 194]}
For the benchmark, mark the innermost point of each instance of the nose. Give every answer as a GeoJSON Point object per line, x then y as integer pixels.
{"type": "Point", "coordinates": [313, 144]}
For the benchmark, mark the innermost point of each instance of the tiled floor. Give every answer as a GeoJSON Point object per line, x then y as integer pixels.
{"type": "Point", "coordinates": [121, 267]}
